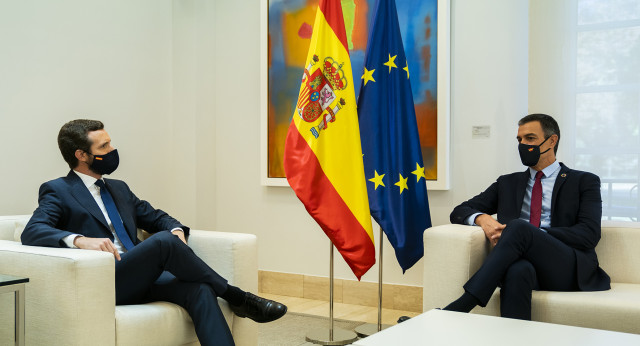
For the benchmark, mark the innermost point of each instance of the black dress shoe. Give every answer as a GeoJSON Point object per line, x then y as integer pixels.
{"type": "Point", "coordinates": [259, 309]}
{"type": "Point", "coordinates": [403, 318]}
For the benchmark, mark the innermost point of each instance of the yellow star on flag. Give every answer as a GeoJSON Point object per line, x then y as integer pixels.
{"type": "Point", "coordinates": [391, 63]}
{"type": "Point", "coordinates": [419, 172]}
{"type": "Point", "coordinates": [406, 68]}
{"type": "Point", "coordinates": [368, 75]}
{"type": "Point", "coordinates": [402, 183]}
{"type": "Point", "coordinates": [377, 180]}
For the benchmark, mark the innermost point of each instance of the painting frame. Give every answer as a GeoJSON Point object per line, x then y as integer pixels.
{"type": "Point", "coordinates": [443, 99]}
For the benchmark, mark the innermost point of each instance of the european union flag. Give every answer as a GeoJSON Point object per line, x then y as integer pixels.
{"type": "Point", "coordinates": [390, 143]}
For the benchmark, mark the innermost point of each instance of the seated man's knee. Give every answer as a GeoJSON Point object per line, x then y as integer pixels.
{"type": "Point", "coordinates": [164, 237]}
{"type": "Point", "coordinates": [518, 223]}
{"type": "Point", "coordinates": [516, 227]}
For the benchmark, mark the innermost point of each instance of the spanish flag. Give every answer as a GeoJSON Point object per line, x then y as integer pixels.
{"type": "Point", "coordinates": [323, 154]}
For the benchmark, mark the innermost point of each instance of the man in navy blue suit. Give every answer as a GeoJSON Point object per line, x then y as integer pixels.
{"type": "Point", "coordinates": [547, 227]}
{"type": "Point", "coordinates": [84, 210]}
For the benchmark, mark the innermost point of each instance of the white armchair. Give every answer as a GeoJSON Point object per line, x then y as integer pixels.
{"type": "Point", "coordinates": [453, 253]}
{"type": "Point", "coordinates": [70, 297]}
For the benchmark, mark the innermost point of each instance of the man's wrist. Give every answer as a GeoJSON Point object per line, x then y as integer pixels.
{"type": "Point", "coordinates": [70, 240]}
{"type": "Point", "coordinates": [477, 220]}
{"type": "Point", "coordinates": [471, 220]}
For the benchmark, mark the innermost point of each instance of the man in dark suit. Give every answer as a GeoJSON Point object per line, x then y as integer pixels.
{"type": "Point", "coordinates": [83, 210]}
{"type": "Point", "coordinates": [547, 227]}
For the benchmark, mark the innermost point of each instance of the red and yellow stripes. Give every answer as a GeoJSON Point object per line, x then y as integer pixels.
{"type": "Point", "coordinates": [326, 170]}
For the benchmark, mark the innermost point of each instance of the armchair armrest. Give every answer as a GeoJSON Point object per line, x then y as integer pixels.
{"type": "Point", "coordinates": [234, 256]}
{"type": "Point", "coordinates": [452, 253]}
{"type": "Point", "coordinates": [70, 296]}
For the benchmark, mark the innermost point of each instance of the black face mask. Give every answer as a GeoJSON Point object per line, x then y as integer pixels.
{"type": "Point", "coordinates": [105, 164]}
{"type": "Point", "coordinates": [530, 154]}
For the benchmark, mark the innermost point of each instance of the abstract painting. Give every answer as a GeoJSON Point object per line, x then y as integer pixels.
{"type": "Point", "coordinates": [290, 25]}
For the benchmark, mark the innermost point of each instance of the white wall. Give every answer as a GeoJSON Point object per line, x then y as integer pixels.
{"type": "Point", "coordinates": [177, 84]}
{"type": "Point", "coordinates": [107, 60]}
{"type": "Point", "coordinates": [67, 59]}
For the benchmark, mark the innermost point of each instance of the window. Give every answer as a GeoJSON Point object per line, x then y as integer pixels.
{"type": "Point", "coordinates": [607, 101]}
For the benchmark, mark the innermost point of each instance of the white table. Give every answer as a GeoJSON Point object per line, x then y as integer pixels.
{"type": "Point", "coordinates": [437, 327]}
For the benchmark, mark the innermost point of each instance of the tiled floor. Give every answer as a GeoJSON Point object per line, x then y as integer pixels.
{"type": "Point", "coordinates": [341, 311]}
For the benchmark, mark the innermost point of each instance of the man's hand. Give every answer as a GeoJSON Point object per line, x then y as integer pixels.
{"type": "Point", "coordinates": [492, 228]}
{"type": "Point", "coordinates": [180, 234]}
{"type": "Point", "coordinates": [99, 244]}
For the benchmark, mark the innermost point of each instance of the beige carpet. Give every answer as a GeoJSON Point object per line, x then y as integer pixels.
{"type": "Point", "coordinates": [292, 328]}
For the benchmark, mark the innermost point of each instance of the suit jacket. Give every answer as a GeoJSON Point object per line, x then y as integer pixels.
{"type": "Point", "coordinates": [576, 211]}
{"type": "Point", "coordinates": [65, 207]}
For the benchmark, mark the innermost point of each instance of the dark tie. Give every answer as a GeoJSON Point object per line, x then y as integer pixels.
{"type": "Point", "coordinates": [536, 200]}
{"type": "Point", "coordinates": [112, 211]}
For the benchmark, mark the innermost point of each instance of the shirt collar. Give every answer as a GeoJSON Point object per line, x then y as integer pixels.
{"type": "Point", "coordinates": [547, 171]}
{"type": "Point", "coordinates": [87, 180]}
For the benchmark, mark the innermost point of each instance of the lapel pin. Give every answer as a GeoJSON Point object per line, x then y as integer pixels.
{"type": "Point", "coordinates": [563, 175]}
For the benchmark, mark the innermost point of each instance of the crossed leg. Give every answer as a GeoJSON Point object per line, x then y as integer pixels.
{"type": "Point", "coordinates": [539, 261]}
{"type": "Point", "coordinates": [193, 285]}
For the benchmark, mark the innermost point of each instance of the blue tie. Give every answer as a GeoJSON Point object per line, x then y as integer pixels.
{"type": "Point", "coordinates": [112, 211]}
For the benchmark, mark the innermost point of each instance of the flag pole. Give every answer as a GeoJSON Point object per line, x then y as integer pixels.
{"type": "Point", "coordinates": [331, 291]}
{"type": "Point", "coordinates": [370, 328]}
{"type": "Point", "coordinates": [380, 284]}
{"type": "Point", "coordinates": [331, 336]}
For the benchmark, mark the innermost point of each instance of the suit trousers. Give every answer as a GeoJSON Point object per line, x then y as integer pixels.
{"type": "Point", "coordinates": [163, 268]}
{"type": "Point", "coordinates": [525, 258]}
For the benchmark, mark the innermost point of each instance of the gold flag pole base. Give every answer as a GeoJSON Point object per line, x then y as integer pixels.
{"type": "Point", "coordinates": [331, 336]}
{"type": "Point", "coordinates": [369, 328]}
{"type": "Point", "coordinates": [322, 336]}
